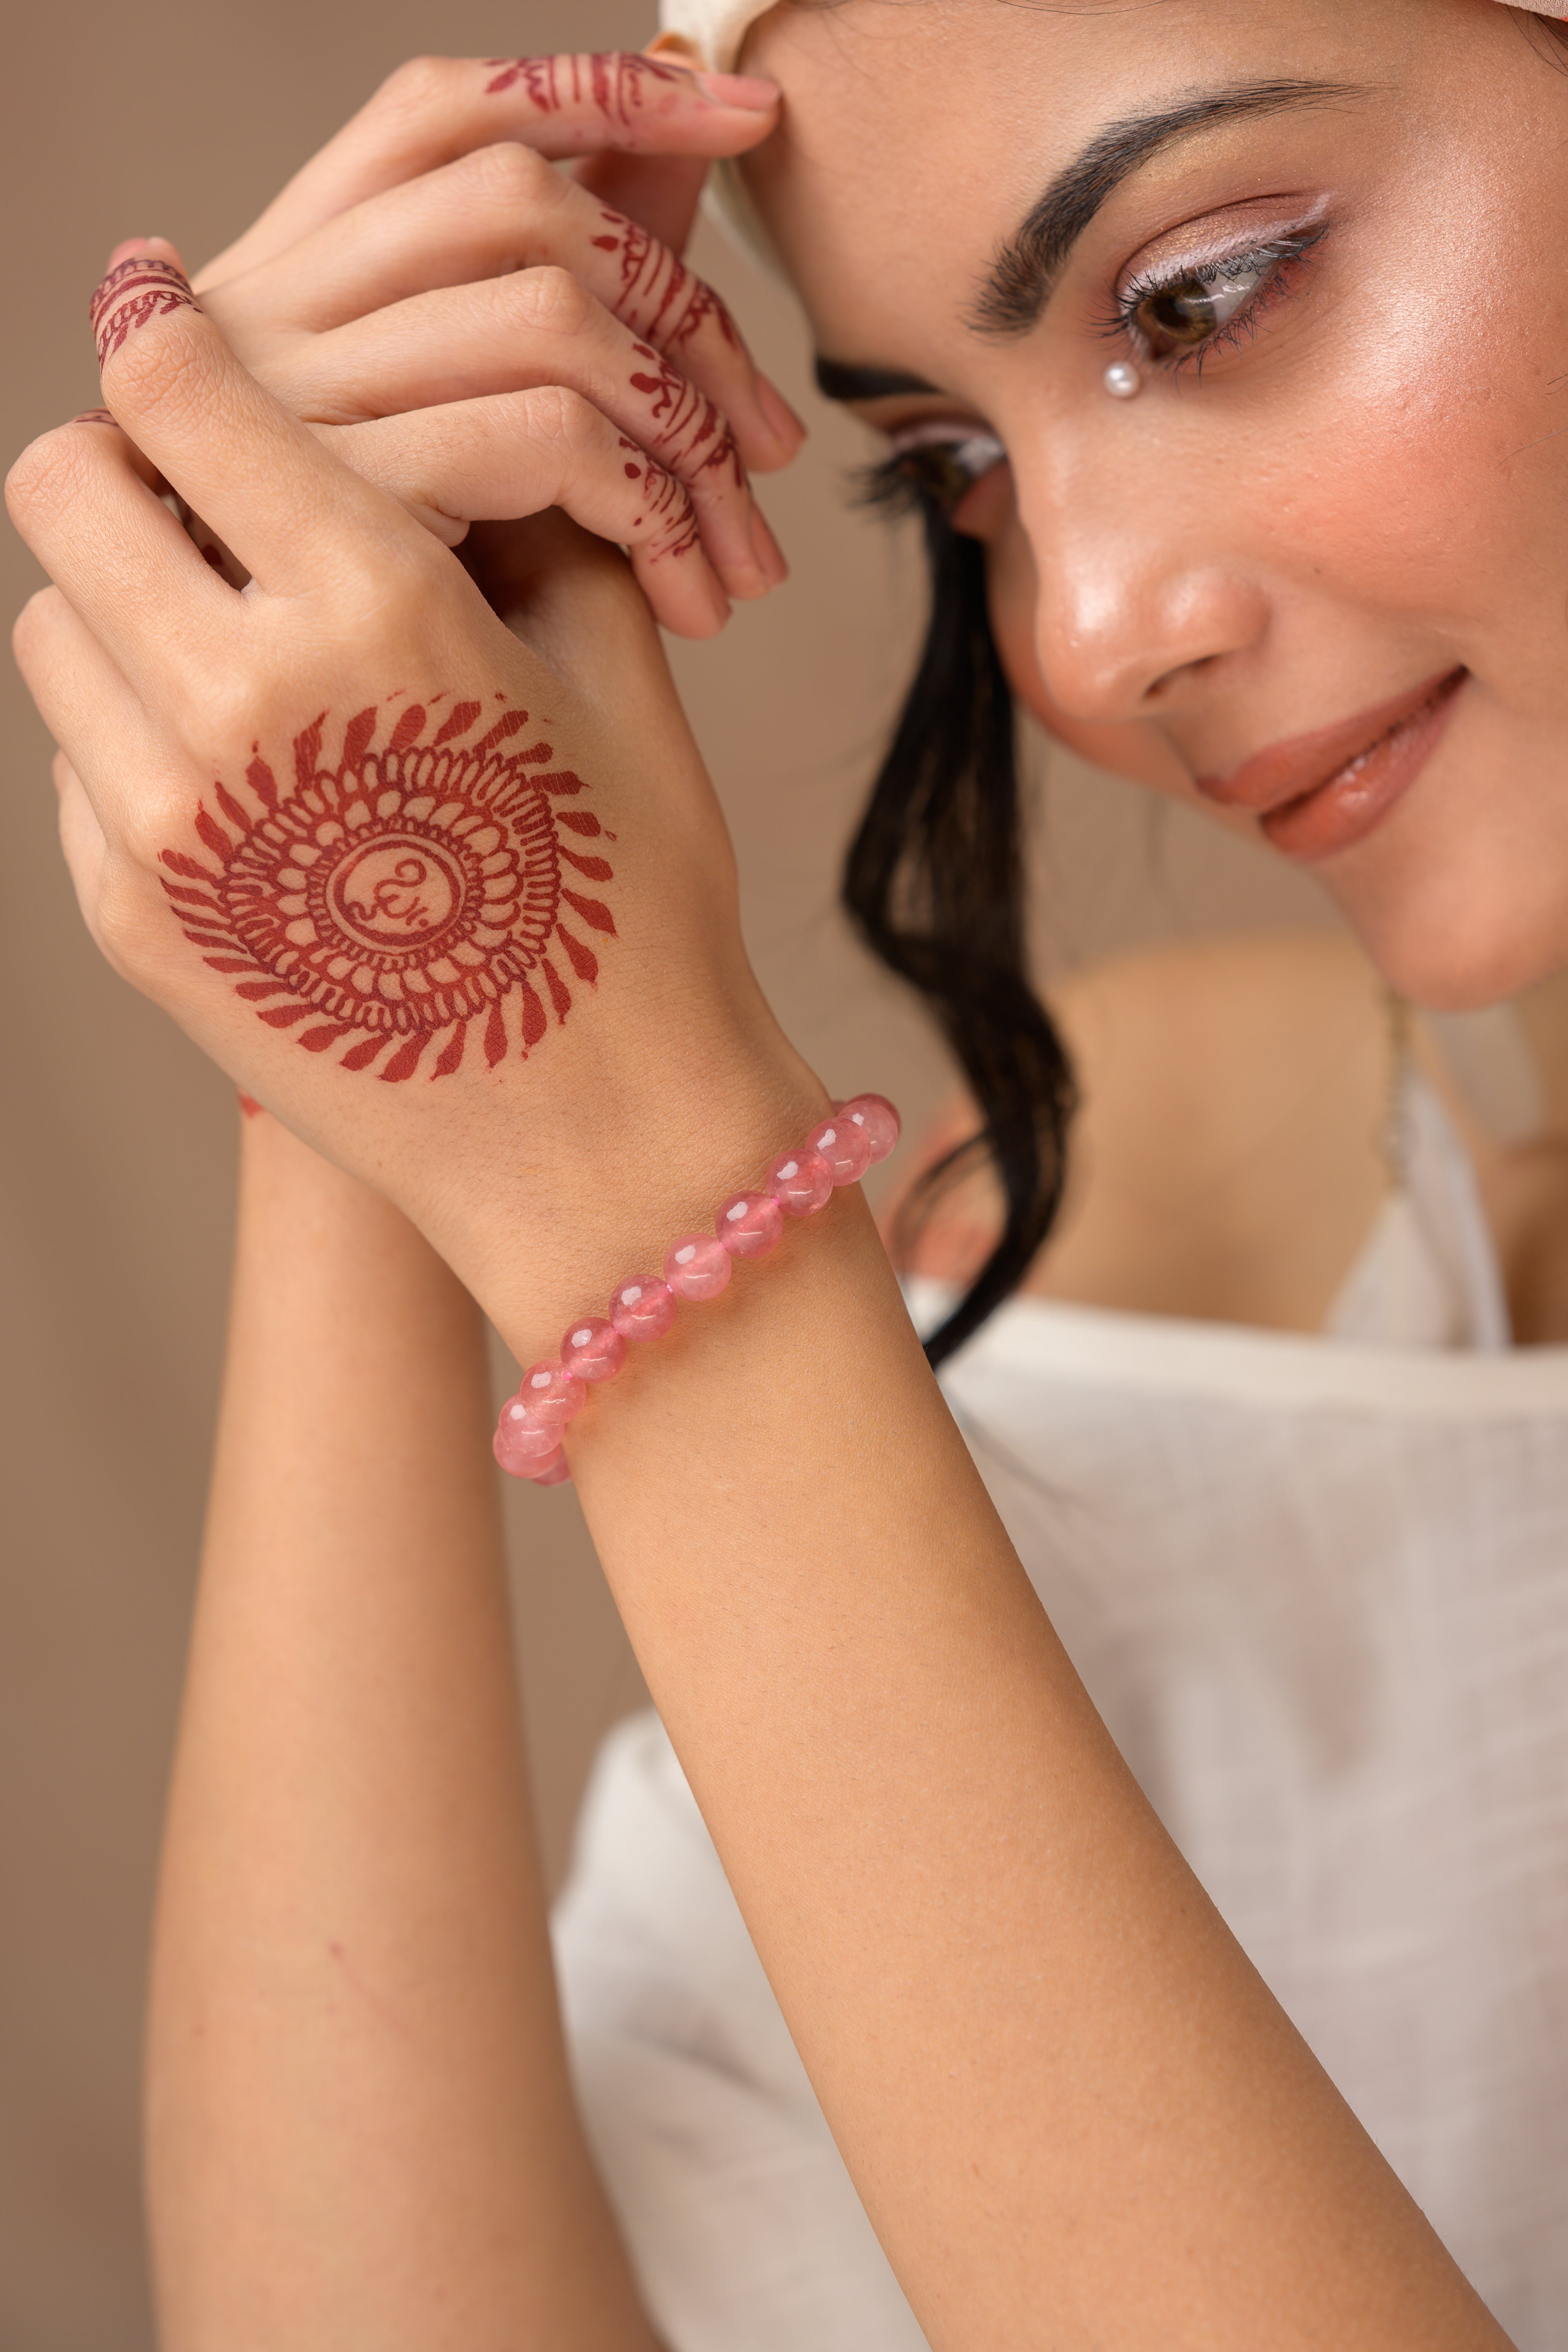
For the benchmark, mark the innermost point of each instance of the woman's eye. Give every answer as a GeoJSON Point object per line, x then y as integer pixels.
{"type": "Point", "coordinates": [1207, 307]}
{"type": "Point", "coordinates": [940, 467]}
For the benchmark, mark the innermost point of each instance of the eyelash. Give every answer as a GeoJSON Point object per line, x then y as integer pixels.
{"type": "Point", "coordinates": [1287, 254]}
{"type": "Point", "coordinates": [926, 478]}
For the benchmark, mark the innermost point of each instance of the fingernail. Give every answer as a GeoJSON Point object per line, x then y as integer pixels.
{"type": "Point", "coordinates": [750, 92]}
{"type": "Point", "coordinates": [136, 289]}
{"type": "Point", "coordinates": [765, 547]}
{"type": "Point", "coordinates": [782, 420]}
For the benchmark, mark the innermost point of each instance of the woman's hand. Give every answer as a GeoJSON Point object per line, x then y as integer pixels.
{"type": "Point", "coordinates": [484, 336]}
{"type": "Point", "coordinates": [457, 902]}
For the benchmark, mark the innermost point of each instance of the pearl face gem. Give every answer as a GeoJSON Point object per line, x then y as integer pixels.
{"type": "Point", "coordinates": [1122, 380]}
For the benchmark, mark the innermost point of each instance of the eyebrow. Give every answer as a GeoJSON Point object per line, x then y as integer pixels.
{"type": "Point", "coordinates": [1021, 279]}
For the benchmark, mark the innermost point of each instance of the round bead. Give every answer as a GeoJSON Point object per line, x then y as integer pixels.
{"type": "Point", "coordinates": [553, 1473]}
{"type": "Point", "coordinates": [642, 1307]}
{"type": "Point", "coordinates": [801, 1182]}
{"type": "Point", "coordinates": [697, 1266]}
{"type": "Point", "coordinates": [1122, 380]}
{"type": "Point", "coordinates": [552, 1394]}
{"type": "Point", "coordinates": [520, 1442]}
{"type": "Point", "coordinates": [877, 1120]}
{"type": "Point", "coordinates": [845, 1148]}
{"type": "Point", "coordinates": [750, 1224]}
{"type": "Point", "coordinates": [592, 1349]}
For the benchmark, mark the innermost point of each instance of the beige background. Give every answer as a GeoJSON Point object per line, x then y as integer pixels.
{"type": "Point", "coordinates": [182, 117]}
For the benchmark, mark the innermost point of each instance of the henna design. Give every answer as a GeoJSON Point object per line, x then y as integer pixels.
{"type": "Point", "coordinates": [134, 293]}
{"type": "Point", "coordinates": [686, 420]}
{"type": "Point", "coordinates": [615, 82]}
{"type": "Point", "coordinates": [660, 298]}
{"type": "Point", "coordinates": [665, 496]}
{"type": "Point", "coordinates": [401, 896]}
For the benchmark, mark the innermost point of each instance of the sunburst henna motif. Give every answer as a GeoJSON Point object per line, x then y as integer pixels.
{"type": "Point", "coordinates": [390, 903]}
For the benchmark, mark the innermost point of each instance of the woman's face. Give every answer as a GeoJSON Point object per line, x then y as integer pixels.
{"type": "Point", "coordinates": [1330, 527]}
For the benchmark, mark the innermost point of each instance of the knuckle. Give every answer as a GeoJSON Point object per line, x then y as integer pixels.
{"type": "Point", "coordinates": [214, 703]}
{"type": "Point", "coordinates": [508, 174]}
{"type": "Point", "coordinates": [175, 376]}
{"type": "Point", "coordinates": [51, 471]}
{"type": "Point", "coordinates": [561, 419]}
{"type": "Point", "coordinates": [550, 297]}
{"type": "Point", "coordinates": [387, 582]}
{"type": "Point", "coordinates": [416, 88]}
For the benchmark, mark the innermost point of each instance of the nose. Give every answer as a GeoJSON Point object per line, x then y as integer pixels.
{"type": "Point", "coordinates": [1136, 601]}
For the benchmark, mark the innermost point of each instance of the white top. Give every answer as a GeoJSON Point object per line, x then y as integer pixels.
{"type": "Point", "coordinates": [1317, 1589]}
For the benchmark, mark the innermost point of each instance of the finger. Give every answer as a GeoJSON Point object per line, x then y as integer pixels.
{"type": "Point", "coordinates": [493, 213]}
{"type": "Point", "coordinates": [500, 459]}
{"type": "Point", "coordinates": [660, 193]}
{"type": "Point", "coordinates": [539, 328]}
{"type": "Point", "coordinates": [79, 497]}
{"type": "Point", "coordinates": [258, 478]}
{"type": "Point", "coordinates": [434, 108]}
{"type": "Point", "coordinates": [89, 707]}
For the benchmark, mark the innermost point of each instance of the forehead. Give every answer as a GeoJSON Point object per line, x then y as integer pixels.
{"type": "Point", "coordinates": [918, 133]}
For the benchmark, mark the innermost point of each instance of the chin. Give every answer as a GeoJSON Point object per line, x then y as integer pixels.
{"type": "Point", "coordinates": [1456, 934]}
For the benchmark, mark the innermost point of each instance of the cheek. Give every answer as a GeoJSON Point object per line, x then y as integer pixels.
{"type": "Point", "coordinates": [1137, 751]}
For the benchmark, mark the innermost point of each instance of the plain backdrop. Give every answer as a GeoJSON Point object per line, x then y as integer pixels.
{"type": "Point", "coordinates": [182, 117]}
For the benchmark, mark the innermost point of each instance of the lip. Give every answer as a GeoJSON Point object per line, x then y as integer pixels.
{"type": "Point", "coordinates": [1317, 793]}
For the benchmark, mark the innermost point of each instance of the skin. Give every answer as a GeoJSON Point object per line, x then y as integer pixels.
{"type": "Point", "coordinates": [1182, 579]}
{"type": "Point", "coordinates": [1107, 2119]}
{"type": "Point", "coordinates": [1228, 1154]}
{"type": "Point", "coordinates": [350, 1670]}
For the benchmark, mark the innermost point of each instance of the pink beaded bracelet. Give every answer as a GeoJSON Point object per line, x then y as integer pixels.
{"type": "Point", "coordinates": [838, 1150]}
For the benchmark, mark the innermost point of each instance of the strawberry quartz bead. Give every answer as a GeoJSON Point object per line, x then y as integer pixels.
{"type": "Point", "coordinates": [553, 1473]}
{"type": "Point", "coordinates": [845, 1148]}
{"type": "Point", "coordinates": [522, 1446]}
{"type": "Point", "coordinates": [552, 1394]}
{"type": "Point", "coordinates": [750, 1224]}
{"type": "Point", "coordinates": [877, 1120]}
{"type": "Point", "coordinates": [592, 1349]}
{"type": "Point", "coordinates": [642, 1307]}
{"type": "Point", "coordinates": [801, 1182]}
{"type": "Point", "coordinates": [697, 1266]}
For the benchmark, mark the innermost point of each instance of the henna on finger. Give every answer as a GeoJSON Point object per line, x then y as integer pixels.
{"type": "Point", "coordinates": [434, 109]}
{"type": "Point", "coordinates": [134, 293]}
{"type": "Point", "coordinates": [614, 85]}
{"type": "Point", "coordinates": [659, 296]}
{"type": "Point", "coordinates": [391, 902]}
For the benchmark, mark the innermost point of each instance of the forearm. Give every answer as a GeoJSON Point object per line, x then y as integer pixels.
{"type": "Point", "coordinates": [1059, 2085]}
{"type": "Point", "coordinates": [361, 2125]}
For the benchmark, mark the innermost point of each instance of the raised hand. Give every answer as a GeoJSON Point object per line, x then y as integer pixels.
{"type": "Point", "coordinates": [457, 903]}
{"type": "Point", "coordinates": [484, 337]}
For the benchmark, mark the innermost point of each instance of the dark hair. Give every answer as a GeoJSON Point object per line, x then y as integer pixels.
{"type": "Point", "coordinates": [934, 883]}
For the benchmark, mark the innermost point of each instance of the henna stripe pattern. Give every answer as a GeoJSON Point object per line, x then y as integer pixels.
{"type": "Point", "coordinates": [614, 82]}
{"type": "Point", "coordinates": [137, 290]}
{"type": "Point", "coordinates": [391, 903]}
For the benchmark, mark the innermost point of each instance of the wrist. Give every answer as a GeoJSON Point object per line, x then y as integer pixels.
{"type": "Point", "coordinates": [551, 1235]}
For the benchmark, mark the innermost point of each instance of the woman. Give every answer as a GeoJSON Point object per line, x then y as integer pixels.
{"type": "Point", "coordinates": [1066, 1957]}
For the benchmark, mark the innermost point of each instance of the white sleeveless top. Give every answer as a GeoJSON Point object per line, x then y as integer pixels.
{"type": "Point", "coordinates": [1317, 1589]}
